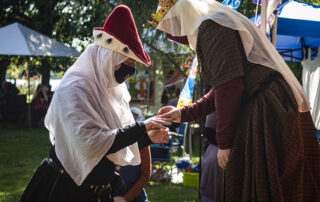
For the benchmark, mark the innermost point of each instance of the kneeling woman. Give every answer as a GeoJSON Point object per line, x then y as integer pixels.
{"type": "Point", "coordinates": [90, 122]}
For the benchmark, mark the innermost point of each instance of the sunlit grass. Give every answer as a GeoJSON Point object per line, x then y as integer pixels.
{"type": "Point", "coordinates": [22, 150]}
{"type": "Point", "coordinates": [163, 192]}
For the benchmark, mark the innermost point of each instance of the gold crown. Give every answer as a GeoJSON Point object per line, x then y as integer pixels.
{"type": "Point", "coordinates": [165, 6]}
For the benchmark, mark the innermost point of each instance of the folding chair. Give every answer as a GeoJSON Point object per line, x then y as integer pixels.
{"type": "Point", "coordinates": [161, 155]}
{"type": "Point", "coordinates": [178, 137]}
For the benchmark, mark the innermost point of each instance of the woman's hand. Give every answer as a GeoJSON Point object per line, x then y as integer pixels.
{"type": "Point", "coordinates": [223, 157]}
{"type": "Point", "coordinates": [170, 113]}
{"type": "Point", "coordinates": [156, 122]}
{"type": "Point", "coordinates": [159, 135]}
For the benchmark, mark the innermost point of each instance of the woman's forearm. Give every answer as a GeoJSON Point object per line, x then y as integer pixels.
{"type": "Point", "coordinates": [127, 136]}
{"type": "Point", "coordinates": [201, 108]}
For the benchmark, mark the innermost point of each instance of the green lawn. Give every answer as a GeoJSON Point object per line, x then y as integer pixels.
{"type": "Point", "coordinates": [22, 150]}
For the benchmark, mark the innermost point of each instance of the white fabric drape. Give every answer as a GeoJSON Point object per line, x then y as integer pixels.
{"type": "Point", "coordinates": [185, 17]}
{"type": "Point", "coordinates": [311, 84]}
{"type": "Point", "coordinates": [86, 109]}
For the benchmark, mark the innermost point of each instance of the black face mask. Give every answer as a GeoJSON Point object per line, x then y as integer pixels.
{"type": "Point", "coordinates": [123, 73]}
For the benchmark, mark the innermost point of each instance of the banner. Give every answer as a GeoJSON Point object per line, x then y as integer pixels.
{"type": "Point", "coordinates": [234, 4]}
{"type": "Point", "coordinates": [272, 10]}
{"type": "Point", "coordinates": [187, 91]}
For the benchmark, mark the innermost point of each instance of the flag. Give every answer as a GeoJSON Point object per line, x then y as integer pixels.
{"type": "Point", "coordinates": [272, 10]}
{"type": "Point", "coordinates": [187, 91]}
{"type": "Point", "coordinates": [234, 4]}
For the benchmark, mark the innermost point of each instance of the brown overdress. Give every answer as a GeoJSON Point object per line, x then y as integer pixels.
{"type": "Point", "coordinates": [275, 154]}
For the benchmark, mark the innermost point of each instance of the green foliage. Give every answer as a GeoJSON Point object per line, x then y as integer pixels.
{"type": "Point", "coordinates": [296, 68]}
{"type": "Point", "coordinates": [71, 22]}
{"type": "Point", "coordinates": [316, 2]}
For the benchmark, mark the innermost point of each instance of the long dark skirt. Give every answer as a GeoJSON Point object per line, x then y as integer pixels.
{"type": "Point", "coordinates": [275, 155]}
{"type": "Point", "coordinates": [49, 184]}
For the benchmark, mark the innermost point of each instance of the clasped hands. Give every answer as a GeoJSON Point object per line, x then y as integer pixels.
{"type": "Point", "coordinates": [157, 130]}
{"type": "Point", "coordinates": [173, 114]}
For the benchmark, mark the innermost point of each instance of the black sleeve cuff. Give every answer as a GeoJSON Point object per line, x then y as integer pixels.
{"type": "Point", "coordinates": [145, 141]}
{"type": "Point", "coordinates": [127, 136]}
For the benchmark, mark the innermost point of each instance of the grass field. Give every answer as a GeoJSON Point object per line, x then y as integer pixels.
{"type": "Point", "coordinates": [22, 150]}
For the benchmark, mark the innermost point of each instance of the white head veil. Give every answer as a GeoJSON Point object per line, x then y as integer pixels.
{"type": "Point", "coordinates": [85, 112]}
{"type": "Point", "coordinates": [185, 17]}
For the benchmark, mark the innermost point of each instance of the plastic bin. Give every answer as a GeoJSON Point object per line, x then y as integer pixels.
{"type": "Point", "coordinates": [190, 179]}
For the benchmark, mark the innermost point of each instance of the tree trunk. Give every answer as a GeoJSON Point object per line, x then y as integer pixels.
{"type": "Point", "coordinates": [4, 62]}
{"type": "Point", "coordinates": [45, 71]}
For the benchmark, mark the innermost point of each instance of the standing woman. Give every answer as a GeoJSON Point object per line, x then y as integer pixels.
{"type": "Point", "coordinates": [211, 181]}
{"type": "Point", "coordinates": [264, 131]}
{"type": "Point", "coordinates": [89, 120]}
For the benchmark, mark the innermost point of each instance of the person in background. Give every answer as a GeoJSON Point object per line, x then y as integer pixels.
{"type": "Point", "coordinates": [164, 97]}
{"type": "Point", "coordinates": [318, 135]}
{"type": "Point", "coordinates": [173, 101]}
{"type": "Point", "coordinates": [3, 102]}
{"type": "Point", "coordinates": [40, 103]}
{"type": "Point", "coordinates": [89, 120]}
{"type": "Point", "coordinates": [137, 114]}
{"type": "Point", "coordinates": [266, 138]}
{"type": "Point", "coordinates": [11, 108]}
{"type": "Point", "coordinates": [211, 182]}
{"type": "Point", "coordinates": [137, 177]}
{"type": "Point", "coordinates": [10, 88]}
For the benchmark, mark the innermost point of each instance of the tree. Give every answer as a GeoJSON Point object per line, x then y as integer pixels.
{"type": "Point", "coordinates": [37, 15]}
{"type": "Point", "coordinates": [72, 21]}
{"type": "Point", "coordinates": [4, 62]}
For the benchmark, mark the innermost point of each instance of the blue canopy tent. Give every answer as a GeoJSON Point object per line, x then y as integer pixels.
{"type": "Point", "coordinates": [299, 32]}
{"type": "Point", "coordinates": [298, 27]}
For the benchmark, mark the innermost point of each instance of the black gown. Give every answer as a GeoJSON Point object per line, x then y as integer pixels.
{"type": "Point", "coordinates": [50, 182]}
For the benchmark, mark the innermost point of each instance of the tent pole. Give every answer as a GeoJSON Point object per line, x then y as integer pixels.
{"type": "Point", "coordinates": [274, 30]}
{"type": "Point", "coordinates": [185, 133]}
{"type": "Point", "coordinates": [263, 16]}
{"type": "Point", "coordinates": [200, 139]}
{"type": "Point", "coordinates": [148, 93]}
{"type": "Point", "coordinates": [190, 141]}
{"type": "Point", "coordinates": [29, 104]}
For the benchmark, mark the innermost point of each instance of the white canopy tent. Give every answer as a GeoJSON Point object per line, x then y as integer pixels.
{"type": "Point", "coordinates": [18, 40]}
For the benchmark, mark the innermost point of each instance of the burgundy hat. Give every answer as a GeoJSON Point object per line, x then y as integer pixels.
{"type": "Point", "coordinates": [120, 34]}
